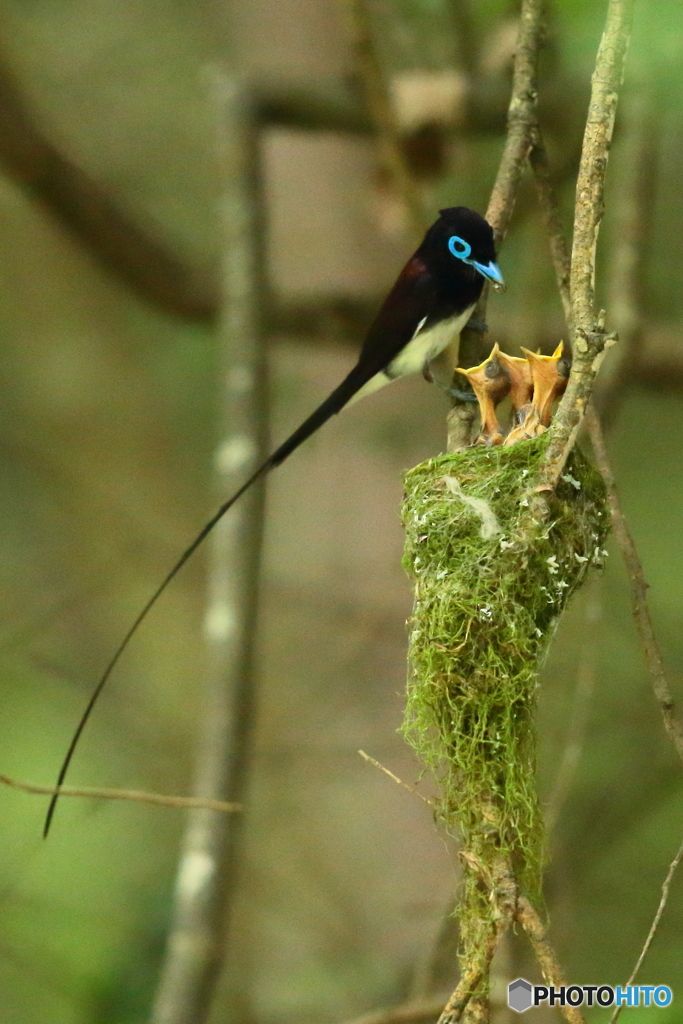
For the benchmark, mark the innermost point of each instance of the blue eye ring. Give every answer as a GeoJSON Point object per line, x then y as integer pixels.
{"type": "Point", "coordinates": [463, 250]}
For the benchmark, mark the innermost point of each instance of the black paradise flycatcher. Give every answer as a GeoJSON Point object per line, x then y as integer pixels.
{"type": "Point", "coordinates": [430, 303]}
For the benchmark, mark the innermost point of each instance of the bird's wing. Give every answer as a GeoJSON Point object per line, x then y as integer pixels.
{"type": "Point", "coordinates": [403, 311]}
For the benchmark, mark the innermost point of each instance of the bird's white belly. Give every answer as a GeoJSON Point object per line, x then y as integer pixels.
{"type": "Point", "coordinates": [427, 345]}
{"type": "Point", "coordinates": [421, 349]}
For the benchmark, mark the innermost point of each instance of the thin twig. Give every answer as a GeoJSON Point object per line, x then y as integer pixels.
{"type": "Point", "coordinates": [395, 778]}
{"type": "Point", "coordinates": [655, 924]}
{"type": "Point", "coordinates": [545, 954]}
{"type": "Point", "coordinates": [634, 568]}
{"type": "Point", "coordinates": [135, 795]}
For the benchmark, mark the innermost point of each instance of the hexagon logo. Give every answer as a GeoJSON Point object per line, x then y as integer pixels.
{"type": "Point", "coordinates": [520, 995]}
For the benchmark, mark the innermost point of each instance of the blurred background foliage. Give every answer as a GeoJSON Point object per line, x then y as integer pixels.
{"type": "Point", "coordinates": [107, 421]}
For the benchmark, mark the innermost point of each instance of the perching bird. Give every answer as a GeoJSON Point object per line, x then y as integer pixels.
{"type": "Point", "coordinates": [428, 306]}
{"type": "Point", "coordinates": [491, 383]}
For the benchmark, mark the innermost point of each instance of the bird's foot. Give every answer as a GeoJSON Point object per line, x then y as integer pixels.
{"type": "Point", "coordinates": [427, 373]}
{"type": "Point", "coordinates": [477, 323]}
{"type": "Point", "coordinates": [490, 438]}
{"type": "Point", "coordinates": [460, 395]}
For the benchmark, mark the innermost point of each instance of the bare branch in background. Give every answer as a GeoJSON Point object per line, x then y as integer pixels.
{"type": "Point", "coordinates": [547, 198]}
{"type": "Point", "coordinates": [633, 205]}
{"type": "Point", "coordinates": [578, 720]}
{"type": "Point", "coordinates": [653, 928]}
{"type": "Point", "coordinates": [465, 34]}
{"type": "Point", "coordinates": [636, 576]}
{"type": "Point", "coordinates": [382, 114]}
{"type": "Point", "coordinates": [134, 795]}
{"type": "Point", "coordinates": [133, 252]}
{"type": "Point", "coordinates": [333, 105]}
{"type": "Point", "coordinates": [209, 862]}
{"type": "Point", "coordinates": [418, 1012]}
{"type": "Point", "coordinates": [98, 221]}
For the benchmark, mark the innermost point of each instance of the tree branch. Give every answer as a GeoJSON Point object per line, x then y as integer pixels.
{"type": "Point", "coordinates": [634, 568]}
{"type": "Point", "coordinates": [209, 862]}
{"type": "Point", "coordinates": [632, 228]}
{"type": "Point", "coordinates": [135, 795]}
{"type": "Point", "coordinates": [653, 928]}
{"type": "Point", "coordinates": [545, 954]}
{"type": "Point", "coordinates": [578, 719]}
{"type": "Point", "coordinates": [381, 113]}
{"type": "Point", "coordinates": [97, 220]}
{"type": "Point", "coordinates": [590, 337]}
{"type": "Point", "coordinates": [521, 124]}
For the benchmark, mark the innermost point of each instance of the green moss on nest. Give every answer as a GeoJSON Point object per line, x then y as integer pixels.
{"type": "Point", "coordinates": [487, 596]}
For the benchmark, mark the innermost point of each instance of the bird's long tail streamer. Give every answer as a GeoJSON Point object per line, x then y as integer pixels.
{"type": "Point", "coordinates": [333, 404]}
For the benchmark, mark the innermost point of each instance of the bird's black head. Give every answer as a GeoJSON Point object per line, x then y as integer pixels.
{"type": "Point", "coordinates": [462, 241]}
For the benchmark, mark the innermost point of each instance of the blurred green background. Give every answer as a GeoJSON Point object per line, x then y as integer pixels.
{"type": "Point", "coordinates": [108, 413]}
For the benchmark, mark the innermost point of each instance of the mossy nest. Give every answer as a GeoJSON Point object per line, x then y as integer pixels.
{"type": "Point", "coordinates": [488, 593]}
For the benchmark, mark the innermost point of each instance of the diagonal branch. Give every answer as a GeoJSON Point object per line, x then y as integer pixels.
{"type": "Point", "coordinates": [545, 954]}
{"type": "Point", "coordinates": [210, 858]}
{"type": "Point", "coordinates": [90, 213]}
{"type": "Point", "coordinates": [666, 885]}
{"type": "Point", "coordinates": [634, 568]}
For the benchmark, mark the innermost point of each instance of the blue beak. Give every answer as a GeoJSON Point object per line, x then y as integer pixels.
{"type": "Point", "coordinates": [491, 273]}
